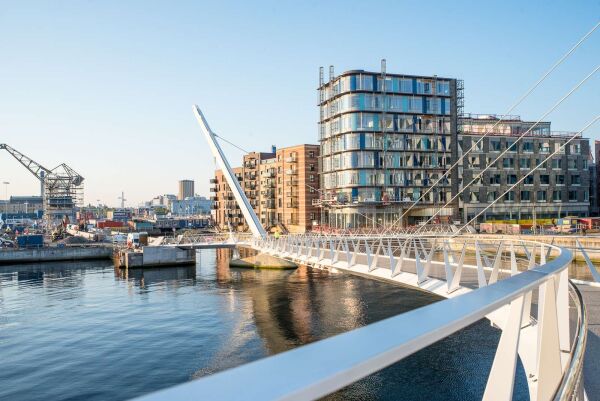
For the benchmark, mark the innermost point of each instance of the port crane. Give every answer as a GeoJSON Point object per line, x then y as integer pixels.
{"type": "Point", "coordinates": [61, 188]}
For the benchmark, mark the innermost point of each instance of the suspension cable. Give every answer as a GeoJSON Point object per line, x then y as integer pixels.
{"type": "Point", "coordinates": [527, 175]}
{"type": "Point", "coordinates": [490, 130]}
{"type": "Point", "coordinates": [478, 176]}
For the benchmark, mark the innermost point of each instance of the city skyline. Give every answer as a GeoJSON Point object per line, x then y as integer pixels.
{"type": "Point", "coordinates": [119, 101]}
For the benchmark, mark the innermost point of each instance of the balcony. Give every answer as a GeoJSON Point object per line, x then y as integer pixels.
{"type": "Point", "coordinates": [214, 198]}
{"type": "Point", "coordinates": [291, 171]}
{"type": "Point", "coordinates": [292, 205]}
{"type": "Point", "coordinates": [213, 181]}
{"type": "Point", "coordinates": [291, 159]}
{"type": "Point", "coordinates": [212, 189]}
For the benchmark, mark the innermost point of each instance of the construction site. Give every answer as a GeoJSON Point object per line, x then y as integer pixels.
{"type": "Point", "coordinates": [61, 193]}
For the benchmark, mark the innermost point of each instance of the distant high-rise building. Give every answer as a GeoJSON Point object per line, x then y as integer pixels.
{"type": "Point", "coordinates": [186, 189]}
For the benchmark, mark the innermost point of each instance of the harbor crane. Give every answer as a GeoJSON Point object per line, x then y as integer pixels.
{"type": "Point", "coordinates": [61, 188]}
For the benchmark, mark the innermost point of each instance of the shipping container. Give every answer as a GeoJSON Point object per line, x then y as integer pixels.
{"type": "Point", "coordinates": [30, 241]}
{"type": "Point", "coordinates": [109, 224]}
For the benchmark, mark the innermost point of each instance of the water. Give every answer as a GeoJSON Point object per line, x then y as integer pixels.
{"type": "Point", "coordinates": [85, 331]}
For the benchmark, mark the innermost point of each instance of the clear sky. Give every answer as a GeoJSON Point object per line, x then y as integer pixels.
{"type": "Point", "coordinates": [108, 86]}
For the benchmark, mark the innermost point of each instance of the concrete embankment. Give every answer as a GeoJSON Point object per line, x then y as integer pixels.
{"type": "Point", "coordinates": [53, 254]}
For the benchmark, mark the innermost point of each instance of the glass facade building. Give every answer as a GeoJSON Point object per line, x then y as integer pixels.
{"type": "Point", "coordinates": [385, 138]}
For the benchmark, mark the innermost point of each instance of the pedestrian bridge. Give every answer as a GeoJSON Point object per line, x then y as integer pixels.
{"type": "Point", "coordinates": [521, 287]}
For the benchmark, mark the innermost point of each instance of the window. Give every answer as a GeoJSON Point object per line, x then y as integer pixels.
{"type": "Point", "coordinates": [509, 196]}
{"type": "Point", "coordinates": [528, 180]}
{"type": "Point", "coordinates": [508, 162]}
{"type": "Point", "coordinates": [586, 196]}
{"type": "Point", "coordinates": [525, 196]}
{"type": "Point", "coordinates": [585, 164]}
{"type": "Point", "coordinates": [557, 163]}
{"type": "Point", "coordinates": [544, 179]}
{"type": "Point", "coordinates": [575, 180]}
{"type": "Point", "coordinates": [473, 161]}
{"type": "Point", "coordinates": [511, 146]}
{"type": "Point", "coordinates": [560, 179]}
{"type": "Point", "coordinates": [311, 167]}
{"type": "Point", "coordinates": [311, 178]}
{"type": "Point", "coordinates": [491, 196]}
{"type": "Point", "coordinates": [495, 145]}
{"type": "Point", "coordinates": [544, 147]}
{"type": "Point", "coordinates": [528, 147]}
{"type": "Point", "coordinates": [541, 196]}
{"type": "Point", "coordinates": [511, 179]}
{"type": "Point", "coordinates": [572, 196]}
{"type": "Point", "coordinates": [575, 149]}
{"type": "Point", "coordinates": [572, 164]}
{"type": "Point", "coordinates": [495, 179]}
{"type": "Point", "coordinates": [556, 196]}
{"type": "Point", "coordinates": [474, 197]}
{"type": "Point", "coordinates": [311, 154]}
{"type": "Point", "coordinates": [524, 164]}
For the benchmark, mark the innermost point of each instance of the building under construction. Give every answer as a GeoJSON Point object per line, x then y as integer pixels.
{"type": "Point", "coordinates": [61, 187]}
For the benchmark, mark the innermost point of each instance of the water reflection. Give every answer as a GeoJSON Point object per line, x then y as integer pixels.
{"type": "Point", "coordinates": [148, 276]}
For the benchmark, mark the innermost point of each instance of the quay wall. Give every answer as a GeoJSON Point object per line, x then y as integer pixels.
{"type": "Point", "coordinates": [53, 254]}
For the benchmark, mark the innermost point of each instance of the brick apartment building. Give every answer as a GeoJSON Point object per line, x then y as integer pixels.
{"type": "Point", "coordinates": [280, 186]}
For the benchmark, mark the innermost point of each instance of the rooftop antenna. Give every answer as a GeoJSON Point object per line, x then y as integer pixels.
{"type": "Point", "coordinates": [321, 78]}
{"type": "Point", "coordinates": [122, 197]}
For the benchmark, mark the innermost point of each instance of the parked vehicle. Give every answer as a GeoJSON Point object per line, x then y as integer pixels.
{"type": "Point", "coordinates": [137, 240]}
{"type": "Point", "coordinates": [119, 239]}
{"type": "Point", "coordinates": [5, 243]}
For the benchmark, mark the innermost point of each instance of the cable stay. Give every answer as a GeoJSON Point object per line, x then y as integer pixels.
{"type": "Point", "coordinates": [490, 130]}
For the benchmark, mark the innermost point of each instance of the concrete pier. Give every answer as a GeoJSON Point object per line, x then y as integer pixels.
{"type": "Point", "coordinates": [155, 256]}
{"type": "Point", "coordinates": [53, 254]}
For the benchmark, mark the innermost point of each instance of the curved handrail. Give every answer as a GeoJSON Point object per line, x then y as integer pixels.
{"type": "Point", "coordinates": [348, 357]}
{"type": "Point", "coordinates": [571, 385]}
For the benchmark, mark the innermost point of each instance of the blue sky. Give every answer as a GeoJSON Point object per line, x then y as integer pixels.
{"type": "Point", "coordinates": [107, 87]}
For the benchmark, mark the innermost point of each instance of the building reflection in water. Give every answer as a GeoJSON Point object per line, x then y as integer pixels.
{"type": "Point", "coordinates": [289, 307]}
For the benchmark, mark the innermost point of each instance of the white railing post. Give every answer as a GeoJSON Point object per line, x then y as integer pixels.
{"type": "Point", "coordinates": [454, 283]}
{"type": "Point", "coordinates": [549, 371]}
{"type": "Point", "coordinates": [501, 381]}
{"type": "Point", "coordinates": [513, 260]}
{"type": "Point", "coordinates": [480, 273]}
{"type": "Point", "coordinates": [496, 265]}
{"type": "Point", "coordinates": [373, 264]}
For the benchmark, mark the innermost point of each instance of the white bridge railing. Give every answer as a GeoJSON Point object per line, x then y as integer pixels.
{"type": "Point", "coordinates": [522, 287]}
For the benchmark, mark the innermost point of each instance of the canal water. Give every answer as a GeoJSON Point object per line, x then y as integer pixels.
{"type": "Point", "coordinates": [88, 331]}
